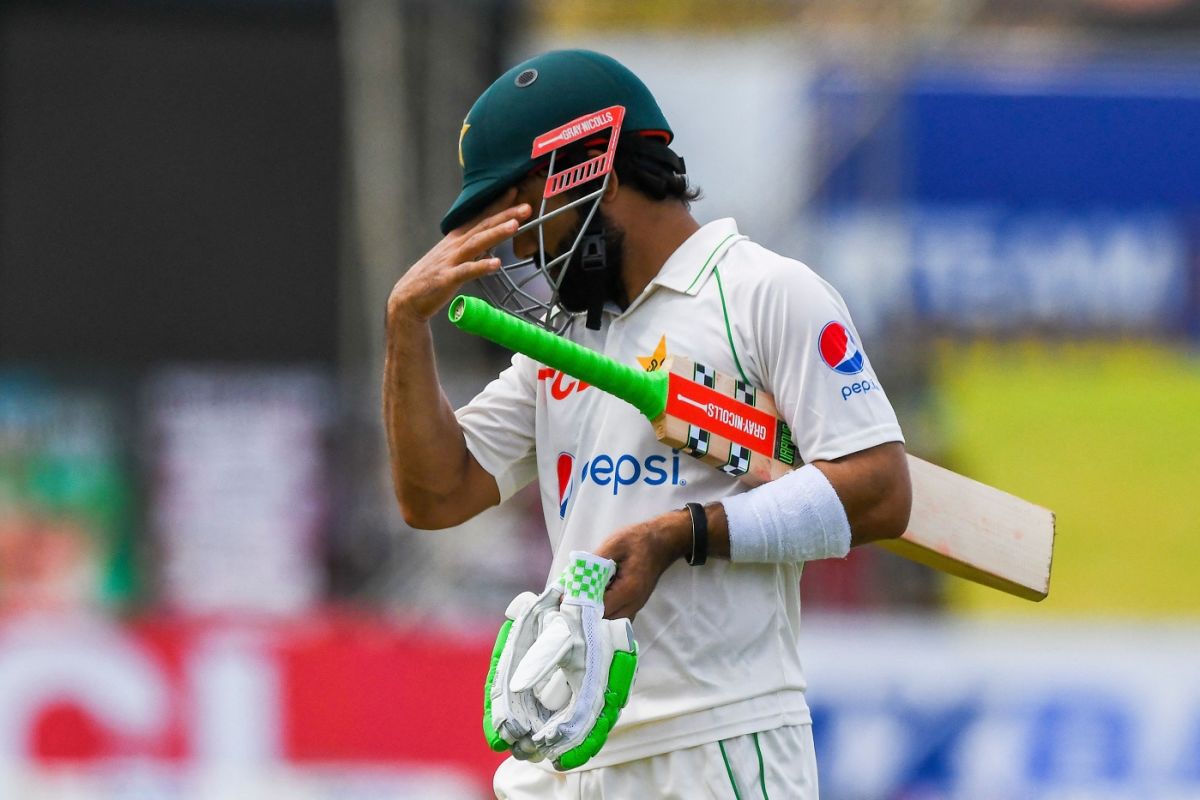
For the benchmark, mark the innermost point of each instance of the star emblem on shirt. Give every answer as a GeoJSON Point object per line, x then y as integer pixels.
{"type": "Point", "coordinates": [652, 362]}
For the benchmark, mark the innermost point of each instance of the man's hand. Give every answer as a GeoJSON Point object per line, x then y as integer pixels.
{"type": "Point", "coordinates": [643, 552]}
{"type": "Point", "coordinates": [461, 256]}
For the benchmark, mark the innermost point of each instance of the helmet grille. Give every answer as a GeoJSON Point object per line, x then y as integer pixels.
{"type": "Point", "coordinates": [526, 78]}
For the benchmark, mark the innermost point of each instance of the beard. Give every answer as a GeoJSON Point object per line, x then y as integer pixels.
{"type": "Point", "coordinates": [575, 291]}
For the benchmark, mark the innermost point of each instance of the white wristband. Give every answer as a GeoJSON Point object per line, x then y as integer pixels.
{"type": "Point", "coordinates": [798, 517]}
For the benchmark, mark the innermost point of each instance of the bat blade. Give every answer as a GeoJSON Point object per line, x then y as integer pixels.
{"type": "Point", "coordinates": [958, 525]}
{"type": "Point", "coordinates": [975, 531]}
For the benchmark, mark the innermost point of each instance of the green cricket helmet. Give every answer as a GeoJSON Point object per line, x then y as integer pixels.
{"type": "Point", "coordinates": [545, 92]}
{"type": "Point", "coordinates": [520, 124]}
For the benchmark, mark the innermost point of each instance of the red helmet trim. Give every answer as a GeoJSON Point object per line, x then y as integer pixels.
{"type": "Point", "coordinates": [586, 126]}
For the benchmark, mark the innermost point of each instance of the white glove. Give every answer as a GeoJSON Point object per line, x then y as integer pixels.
{"type": "Point", "coordinates": [596, 659]}
{"type": "Point", "coordinates": [509, 718]}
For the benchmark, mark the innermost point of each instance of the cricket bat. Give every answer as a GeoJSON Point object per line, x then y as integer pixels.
{"type": "Point", "coordinates": [958, 525]}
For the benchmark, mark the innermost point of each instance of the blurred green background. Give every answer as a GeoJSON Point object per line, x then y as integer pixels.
{"type": "Point", "coordinates": [1107, 434]}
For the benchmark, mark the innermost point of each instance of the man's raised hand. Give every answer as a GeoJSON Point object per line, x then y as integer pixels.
{"type": "Point", "coordinates": [461, 256]}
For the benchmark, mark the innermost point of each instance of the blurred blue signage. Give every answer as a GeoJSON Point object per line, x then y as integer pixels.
{"type": "Point", "coordinates": [995, 712]}
{"type": "Point", "coordinates": [1074, 133]}
{"type": "Point", "coordinates": [999, 269]}
{"type": "Point", "coordinates": [1059, 192]}
{"type": "Point", "coordinates": [995, 269]}
{"type": "Point", "coordinates": [1118, 133]}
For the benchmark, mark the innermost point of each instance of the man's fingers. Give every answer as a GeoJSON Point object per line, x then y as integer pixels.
{"type": "Point", "coordinates": [470, 270]}
{"type": "Point", "coordinates": [503, 201]}
{"type": "Point", "coordinates": [615, 599]}
{"type": "Point", "coordinates": [484, 240]}
{"type": "Point", "coordinates": [507, 213]}
{"type": "Point", "coordinates": [620, 612]}
{"type": "Point", "coordinates": [502, 208]}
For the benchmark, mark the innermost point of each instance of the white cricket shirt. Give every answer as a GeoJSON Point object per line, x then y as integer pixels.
{"type": "Point", "coordinates": [719, 654]}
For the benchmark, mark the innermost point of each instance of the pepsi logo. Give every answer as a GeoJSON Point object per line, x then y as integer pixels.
{"type": "Point", "coordinates": [838, 349]}
{"type": "Point", "coordinates": [566, 482]}
{"type": "Point", "coordinates": [614, 472]}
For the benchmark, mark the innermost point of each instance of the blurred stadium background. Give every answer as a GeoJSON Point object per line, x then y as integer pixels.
{"type": "Point", "coordinates": [205, 589]}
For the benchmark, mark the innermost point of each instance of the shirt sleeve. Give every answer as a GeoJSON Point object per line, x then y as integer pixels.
{"type": "Point", "coordinates": [499, 426]}
{"type": "Point", "coordinates": [809, 355]}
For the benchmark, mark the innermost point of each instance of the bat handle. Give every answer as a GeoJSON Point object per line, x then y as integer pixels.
{"type": "Point", "coordinates": [645, 391]}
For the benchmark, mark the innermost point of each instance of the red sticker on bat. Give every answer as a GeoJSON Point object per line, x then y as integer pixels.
{"type": "Point", "coordinates": [719, 414]}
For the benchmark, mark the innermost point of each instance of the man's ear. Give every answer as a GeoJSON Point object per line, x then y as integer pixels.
{"type": "Point", "coordinates": [610, 191]}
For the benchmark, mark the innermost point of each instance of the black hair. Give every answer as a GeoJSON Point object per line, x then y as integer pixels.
{"type": "Point", "coordinates": [644, 162]}
{"type": "Point", "coordinates": [649, 165]}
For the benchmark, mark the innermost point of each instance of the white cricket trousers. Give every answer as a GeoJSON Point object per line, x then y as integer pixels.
{"type": "Point", "coordinates": [772, 765]}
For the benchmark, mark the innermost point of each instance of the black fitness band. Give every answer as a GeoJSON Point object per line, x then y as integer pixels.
{"type": "Point", "coordinates": [699, 534]}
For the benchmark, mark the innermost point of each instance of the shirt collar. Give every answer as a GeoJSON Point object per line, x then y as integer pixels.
{"type": "Point", "coordinates": [694, 260]}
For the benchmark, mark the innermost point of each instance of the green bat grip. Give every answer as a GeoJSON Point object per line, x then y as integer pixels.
{"type": "Point", "coordinates": [645, 391]}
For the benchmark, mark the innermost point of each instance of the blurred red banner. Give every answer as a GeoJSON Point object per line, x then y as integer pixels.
{"type": "Point", "coordinates": [335, 689]}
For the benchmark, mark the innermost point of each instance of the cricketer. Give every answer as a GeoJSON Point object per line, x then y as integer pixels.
{"type": "Point", "coordinates": [695, 574]}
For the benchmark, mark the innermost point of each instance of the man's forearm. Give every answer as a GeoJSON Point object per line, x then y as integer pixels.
{"type": "Point", "coordinates": [436, 480]}
{"type": "Point", "coordinates": [875, 483]}
{"type": "Point", "coordinates": [427, 452]}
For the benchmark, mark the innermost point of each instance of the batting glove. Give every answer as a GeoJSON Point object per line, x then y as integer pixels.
{"type": "Point", "coordinates": [595, 658]}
